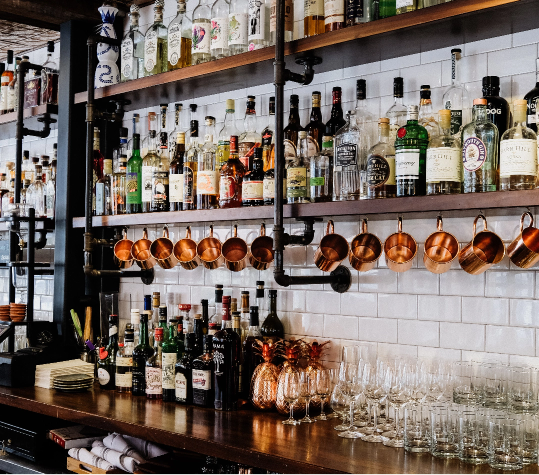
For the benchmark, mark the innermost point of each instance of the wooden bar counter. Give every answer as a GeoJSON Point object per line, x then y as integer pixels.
{"type": "Point", "coordinates": [245, 436]}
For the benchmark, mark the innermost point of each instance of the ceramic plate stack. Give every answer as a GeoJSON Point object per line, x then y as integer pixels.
{"type": "Point", "coordinates": [17, 312]}
{"type": "Point", "coordinates": [47, 373]}
{"type": "Point", "coordinates": [71, 383]}
{"type": "Point", "coordinates": [4, 313]}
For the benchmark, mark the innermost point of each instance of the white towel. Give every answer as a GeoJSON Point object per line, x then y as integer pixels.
{"type": "Point", "coordinates": [85, 456]}
{"type": "Point", "coordinates": [119, 460]}
{"type": "Point", "coordinates": [147, 449]}
{"type": "Point", "coordinates": [115, 441]}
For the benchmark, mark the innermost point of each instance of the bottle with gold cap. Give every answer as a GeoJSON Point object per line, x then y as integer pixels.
{"type": "Point", "coordinates": [228, 130]}
{"type": "Point", "coordinates": [444, 162]}
{"type": "Point", "coordinates": [381, 165]}
{"type": "Point", "coordinates": [480, 141]}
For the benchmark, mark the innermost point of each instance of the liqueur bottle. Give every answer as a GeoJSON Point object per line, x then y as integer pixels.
{"type": "Point", "coordinates": [250, 138]}
{"type": "Point", "coordinates": [531, 98]}
{"type": "Point", "coordinates": [292, 129]}
{"type": "Point", "coordinates": [336, 120]}
{"type": "Point", "coordinates": [268, 144]}
{"type": "Point", "coordinates": [207, 175]}
{"type": "Point", "coordinates": [132, 48]}
{"type": "Point", "coordinates": [272, 328]}
{"type": "Point", "coordinates": [444, 160]}
{"type": "Point", "coordinates": [297, 173]}
{"type": "Point", "coordinates": [184, 376]}
{"type": "Point", "coordinates": [498, 110]}
{"type": "Point", "coordinates": [231, 178]}
{"type": "Point", "coordinates": [202, 375]}
{"type": "Point", "coordinates": [456, 97]}
{"type": "Point", "coordinates": [124, 363]}
{"type": "Point", "coordinates": [313, 18]}
{"type": "Point", "coordinates": [214, 324]}
{"type": "Point", "coordinates": [238, 26]}
{"type": "Point", "coordinates": [315, 128]}
{"type": "Point", "coordinates": [253, 181]}
{"type": "Point", "coordinates": [426, 113]}
{"type": "Point", "coordinates": [199, 333]}
{"type": "Point", "coordinates": [134, 179]}
{"type": "Point", "coordinates": [346, 167]}
{"type": "Point", "coordinates": [334, 14]}
{"type": "Point", "coordinates": [149, 162]}
{"type": "Point", "coordinates": [175, 178]}
{"type": "Point", "coordinates": [219, 29]}
{"type": "Point", "coordinates": [250, 357]}
{"type": "Point", "coordinates": [154, 368]}
{"type": "Point", "coordinates": [381, 165]}
{"type": "Point", "coordinates": [228, 130]}
{"type": "Point", "coordinates": [259, 24]}
{"type": "Point", "coordinates": [106, 368]}
{"type": "Point", "coordinates": [103, 201]}
{"type": "Point", "coordinates": [170, 358]}
{"type": "Point", "coordinates": [288, 21]}
{"type": "Point", "coordinates": [200, 45]}
{"type": "Point", "coordinates": [190, 169]}
{"type": "Point", "coordinates": [180, 32]}
{"type": "Point", "coordinates": [142, 352]}
{"type": "Point", "coordinates": [155, 43]}
{"type": "Point", "coordinates": [397, 112]}
{"type": "Point", "coordinates": [321, 176]}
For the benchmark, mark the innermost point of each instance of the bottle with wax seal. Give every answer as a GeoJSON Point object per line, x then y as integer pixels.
{"type": "Point", "coordinates": [106, 368]}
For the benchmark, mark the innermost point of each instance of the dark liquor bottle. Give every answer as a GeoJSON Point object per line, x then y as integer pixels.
{"type": "Point", "coordinates": [205, 316]}
{"type": "Point", "coordinates": [531, 98]}
{"type": "Point", "coordinates": [106, 368]}
{"type": "Point", "coordinates": [336, 120]}
{"type": "Point", "coordinates": [199, 333]}
{"type": "Point", "coordinates": [154, 371]}
{"type": "Point", "coordinates": [236, 326]}
{"type": "Point", "coordinates": [253, 181]}
{"type": "Point", "coordinates": [291, 131]}
{"type": "Point", "coordinates": [215, 321]}
{"type": "Point", "coordinates": [176, 174]}
{"type": "Point", "coordinates": [184, 367]}
{"type": "Point", "coordinates": [231, 178]}
{"type": "Point", "coordinates": [272, 328]}
{"type": "Point", "coordinates": [124, 363]}
{"type": "Point", "coordinates": [141, 353]}
{"type": "Point", "coordinates": [226, 358]}
{"type": "Point", "coordinates": [170, 358]}
{"type": "Point", "coordinates": [180, 340]}
{"type": "Point", "coordinates": [251, 357]}
{"type": "Point", "coordinates": [498, 110]}
{"type": "Point", "coordinates": [163, 317]}
{"type": "Point", "coordinates": [315, 128]}
{"type": "Point", "coordinates": [134, 179]}
{"type": "Point", "coordinates": [268, 145]}
{"type": "Point", "coordinates": [202, 375]}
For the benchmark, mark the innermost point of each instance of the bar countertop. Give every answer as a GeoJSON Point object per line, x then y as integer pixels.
{"type": "Point", "coordinates": [245, 436]}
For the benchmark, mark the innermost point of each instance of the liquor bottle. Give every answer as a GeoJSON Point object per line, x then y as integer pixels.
{"type": "Point", "coordinates": [155, 43]}
{"type": "Point", "coordinates": [202, 375]}
{"type": "Point", "coordinates": [244, 320]}
{"type": "Point", "coordinates": [185, 308]}
{"type": "Point", "coordinates": [253, 181]}
{"type": "Point", "coordinates": [315, 128]}
{"type": "Point", "coordinates": [288, 21]}
{"type": "Point", "coordinates": [135, 324]}
{"type": "Point", "coordinates": [177, 323]}
{"type": "Point", "coordinates": [260, 298]}
{"type": "Point", "coordinates": [5, 79]}
{"type": "Point", "coordinates": [27, 168]}
{"type": "Point", "coordinates": [134, 179]}
{"type": "Point", "coordinates": [426, 113]}
{"type": "Point", "coordinates": [50, 192]}
{"type": "Point", "coordinates": [444, 160]}
{"type": "Point", "coordinates": [175, 177]}
{"type": "Point", "coordinates": [119, 187]}
{"type": "Point", "coordinates": [219, 29]}
{"type": "Point", "coordinates": [173, 135]}
{"type": "Point", "coordinates": [49, 77]}
{"type": "Point", "coordinates": [268, 144]}
{"type": "Point", "coordinates": [518, 153]}
{"type": "Point", "coordinates": [103, 202]}
{"type": "Point", "coordinates": [360, 11]}
{"type": "Point", "coordinates": [228, 130]}
{"type": "Point", "coordinates": [381, 165]}
{"type": "Point", "coordinates": [184, 375]}
{"type": "Point", "coordinates": [405, 6]}
{"type": "Point", "coordinates": [397, 112]}
{"type": "Point", "coordinates": [297, 173]}
{"type": "Point", "coordinates": [198, 331]}
{"type": "Point", "coordinates": [456, 97]}
{"type": "Point", "coordinates": [106, 368]}
{"type": "Point", "coordinates": [346, 164]}
{"type": "Point", "coordinates": [250, 138]}
{"type": "Point", "coordinates": [480, 140]}
{"type": "Point", "coordinates": [205, 316]}
{"type": "Point", "coordinates": [170, 358]}
{"type": "Point", "coordinates": [163, 319]}
{"type": "Point", "coordinates": [162, 136]}
{"type": "Point", "coordinates": [142, 352]}
{"type": "Point", "coordinates": [410, 156]}
{"type": "Point", "coordinates": [238, 26]}
{"type": "Point", "coordinates": [272, 328]}
{"type": "Point", "coordinates": [321, 175]}
{"type": "Point", "coordinates": [214, 324]}
{"type": "Point", "coordinates": [334, 14]}
{"type": "Point", "coordinates": [190, 168]}
{"type": "Point", "coordinates": [154, 371]}
{"type": "Point", "coordinates": [531, 98]}
{"type": "Point", "coordinates": [200, 46]}
{"type": "Point", "coordinates": [160, 176]}
{"type": "Point", "coordinates": [124, 363]}
{"type": "Point", "coordinates": [98, 159]}
{"type": "Point", "coordinates": [9, 198]}
{"type": "Point", "coordinates": [498, 110]}
{"type": "Point", "coordinates": [132, 48]}
{"type": "Point", "coordinates": [336, 120]}
{"type": "Point", "coordinates": [313, 18]}
{"type": "Point", "coordinates": [180, 32]}
{"type": "Point", "coordinates": [250, 356]}
{"type": "Point", "coordinates": [292, 129]}
{"type": "Point", "coordinates": [236, 327]}
{"type": "Point", "coordinates": [149, 162]}
{"type": "Point", "coordinates": [365, 123]}
{"type": "Point", "coordinates": [207, 187]}
{"type": "Point", "coordinates": [226, 358]}
{"type": "Point", "coordinates": [13, 88]}
{"type": "Point", "coordinates": [259, 24]}
{"type": "Point", "coordinates": [268, 184]}
{"type": "Point", "coordinates": [231, 178]}
{"type": "Point", "coordinates": [36, 193]}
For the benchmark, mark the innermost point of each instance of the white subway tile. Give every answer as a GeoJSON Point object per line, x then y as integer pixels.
{"type": "Point", "coordinates": [338, 326]}
{"type": "Point", "coordinates": [483, 310]}
{"type": "Point", "coordinates": [526, 37]}
{"type": "Point", "coordinates": [165, 276]}
{"type": "Point", "coordinates": [524, 312]}
{"type": "Point", "coordinates": [362, 70]}
{"type": "Point", "coordinates": [511, 340]}
{"type": "Point", "coordinates": [400, 62]}
{"type": "Point", "coordinates": [290, 300]}
{"type": "Point", "coordinates": [490, 44]}
{"type": "Point", "coordinates": [391, 350]}
{"type": "Point", "coordinates": [221, 275]}
{"type": "Point", "coordinates": [521, 85]}
{"type": "Point", "coordinates": [418, 282]}
{"type": "Point", "coordinates": [510, 284]}
{"type": "Point", "coordinates": [483, 357]}
{"type": "Point", "coordinates": [305, 324]}
{"type": "Point", "coordinates": [378, 280]}
{"type": "Point", "coordinates": [517, 60]}
{"type": "Point", "coordinates": [360, 304]}
{"type": "Point", "coordinates": [462, 336]}
{"type": "Point", "coordinates": [440, 308]}
{"type": "Point", "coordinates": [194, 276]}
{"type": "Point", "coordinates": [421, 333]}
{"type": "Point", "coordinates": [517, 360]}
{"type": "Point", "coordinates": [245, 278]}
{"type": "Point", "coordinates": [378, 329]}
{"type": "Point", "coordinates": [397, 306]}
{"type": "Point", "coordinates": [323, 302]}
{"type": "Point", "coordinates": [439, 354]}
{"type": "Point", "coordinates": [458, 282]}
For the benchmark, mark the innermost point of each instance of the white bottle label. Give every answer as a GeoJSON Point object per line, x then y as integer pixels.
{"type": "Point", "coordinates": [404, 3]}
{"type": "Point", "coordinates": [201, 38]}
{"type": "Point", "coordinates": [11, 98]}
{"type": "Point", "coordinates": [181, 386]}
{"type": "Point", "coordinates": [269, 188]}
{"type": "Point", "coordinates": [103, 376]}
{"type": "Point", "coordinates": [237, 28]}
{"type": "Point", "coordinates": [288, 15]}
{"type": "Point", "coordinates": [154, 380]}
{"type": "Point", "coordinates": [201, 379]}
{"type": "Point", "coordinates": [99, 199]}
{"type": "Point", "coordinates": [532, 119]}
{"type": "Point", "coordinates": [252, 191]}
{"type": "Point", "coordinates": [124, 380]}
{"type": "Point", "coordinates": [443, 164]}
{"type": "Point", "coordinates": [124, 361]}
{"type": "Point", "coordinates": [207, 182]}
{"type": "Point", "coordinates": [127, 58]}
{"type": "Point", "coordinates": [474, 154]}
{"type": "Point", "coordinates": [175, 190]}
{"type": "Point", "coordinates": [219, 33]}
{"type": "Point", "coordinates": [150, 51]}
{"type": "Point", "coordinates": [313, 8]}
{"type": "Point", "coordinates": [257, 21]}
{"type": "Point", "coordinates": [147, 183]}
{"type": "Point", "coordinates": [174, 43]}
{"type": "Point", "coordinates": [407, 164]}
{"type": "Point", "coordinates": [333, 11]}
{"type": "Point", "coordinates": [168, 370]}
{"type": "Point", "coordinates": [518, 157]}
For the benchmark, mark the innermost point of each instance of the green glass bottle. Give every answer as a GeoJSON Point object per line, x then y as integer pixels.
{"type": "Point", "coordinates": [272, 328]}
{"type": "Point", "coordinates": [170, 358]}
{"type": "Point", "coordinates": [134, 179]}
{"type": "Point", "coordinates": [387, 8]}
{"type": "Point", "coordinates": [411, 155]}
{"type": "Point", "coordinates": [141, 353]}
{"type": "Point", "coordinates": [106, 368]}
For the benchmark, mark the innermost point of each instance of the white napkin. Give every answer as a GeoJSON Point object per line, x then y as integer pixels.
{"type": "Point", "coordinates": [116, 442]}
{"type": "Point", "coordinates": [119, 460]}
{"type": "Point", "coordinates": [147, 449]}
{"type": "Point", "coordinates": [85, 456]}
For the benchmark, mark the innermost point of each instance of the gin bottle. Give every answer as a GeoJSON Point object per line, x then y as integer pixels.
{"type": "Point", "coordinates": [518, 153]}
{"type": "Point", "coordinates": [219, 30]}
{"type": "Point", "coordinates": [200, 45]}
{"type": "Point", "coordinates": [480, 141]}
{"type": "Point", "coordinates": [259, 24]}
{"type": "Point", "coordinates": [386, 8]}
{"type": "Point", "coordinates": [238, 22]}
{"type": "Point", "coordinates": [426, 113]}
{"type": "Point", "coordinates": [155, 43]}
{"type": "Point", "coordinates": [346, 156]}
{"type": "Point", "coordinates": [132, 49]}
{"type": "Point", "coordinates": [179, 39]}
{"type": "Point", "coordinates": [456, 97]}
{"type": "Point", "coordinates": [381, 165]}
{"type": "Point", "coordinates": [160, 179]}
{"type": "Point", "coordinates": [498, 110]}
{"type": "Point", "coordinates": [297, 173]}
{"type": "Point", "coordinates": [173, 136]}
{"type": "Point", "coordinates": [397, 112]}
{"type": "Point", "coordinates": [444, 163]}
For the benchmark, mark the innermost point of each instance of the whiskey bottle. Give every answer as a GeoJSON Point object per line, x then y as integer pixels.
{"type": "Point", "coordinates": [444, 160]}
{"type": "Point", "coordinates": [149, 162]}
{"type": "Point", "coordinates": [397, 112]}
{"type": "Point", "coordinates": [5, 79]}
{"type": "Point", "coordinates": [202, 375]}
{"type": "Point", "coordinates": [336, 120]}
{"type": "Point", "coordinates": [154, 371]}
{"type": "Point", "coordinates": [313, 19]}
{"type": "Point", "coordinates": [346, 167]}
{"type": "Point", "coordinates": [228, 130]}
{"type": "Point", "coordinates": [268, 185]}
{"type": "Point", "coordinates": [132, 49]}
{"type": "Point", "coordinates": [498, 110]}
{"type": "Point", "coordinates": [315, 128]}
{"type": "Point", "coordinates": [170, 358]}
{"type": "Point", "coordinates": [272, 328]}
{"type": "Point", "coordinates": [214, 324]}
{"type": "Point", "coordinates": [106, 368]}
{"type": "Point", "coordinates": [190, 168]}
{"type": "Point", "coordinates": [288, 21]}
{"type": "Point", "coordinates": [334, 14]}
{"type": "Point", "coordinates": [155, 43]}
{"type": "Point", "coordinates": [103, 201]}
{"type": "Point", "coordinates": [134, 179]}
{"type": "Point", "coordinates": [207, 175]}
{"type": "Point", "coordinates": [251, 358]}
{"type": "Point", "coordinates": [200, 45]}
{"type": "Point", "coordinates": [321, 176]}
{"type": "Point", "coordinates": [259, 24]}
{"type": "Point", "coordinates": [231, 179]}
{"type": "Point", "coordinates": [142, 352]}
{"type": "Point", "coordinates": [297, 173]}
{"type": "Point", "coordinates": [180, 32]}
{"type": "Point", "coordinates": [219, 30]}
{"type": "Point", "coordinates": [268, 144]}
{"type": "Point", "coordinates": [253, 181]}
{"type": "Point", "coordinates": [292, 129]}
{"type": "Point", "coordinates": [160, 176]}
{"type": "Point", "coordinates": [531, 98]}
{"type": "Point", "coordinates": [381, 165]}
{"type": "Point", "coordinates": [426, 113]}
{"type": "Point", "coordinates": [124, 363]}
{"type": "Point", "coordinates": [250, 138]}
{"type": "Point", "coordinates": [410, 156]}
{"type": "Point", "coordinates": [238, 26]}
{"type": "Point", "coordinates": [518, 153]}
{"type": "Point", "coordinates": [175, 177]}
{"type": "Point", "coordinates": [456, 97]}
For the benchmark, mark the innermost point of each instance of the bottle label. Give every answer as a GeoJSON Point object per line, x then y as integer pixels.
{"type": "Point", "coordinates": [100, 199]}
{"type": "Point", "coordinates": [125, 361]}
{"type": "Point", "coordinates": [268, 192]}
{"type": "Point", "coordinates": [154, 380]}
{"type": "Point", "coordinates": [245, 150]}
{"type": "Point", "coordinates": [474, 154]}
{"type": "Point", "coordinates": [313, 8]}
{"type": "Point", "coordinates": [252, 190]}
{"type": "Point", "coordinates": [168, 370]}
{"type": "Point", "coordinates": [518, 157]}
{"type": "Point", "coordinates": [124, 380]}
{"type": "Point", "coordinates": [456, 121]}
{"type": "Point", "coordinates": [380, 170]}
{"type": "Point", "coordinates": [289, 150]}
{"type": "Point", "coordinates": [181, 387]}
{"type": "Point", "coordinates": [407, 164]}
{"type": "Point", "coordinates": [288, 15]}
{"type": "Point", "coordinates": [346, 155]}
{"type": "Point", "coordinates": [296, 179]}
{"type": "Point", "coordinates": [223, 152]}
{"type": "Point", "coordinates": [11, 98]}
{"type": "Point", "coordinates": [443, 164]}
{"type": "Point", "coordinates": [133, 192]}
{"type": "Point", "coordinates": [207, 182]}
{"type": "Point", "coordinates": [188, 185]}
{"type": "Point", "coordinates": [219, 33]}
{"type": "Point", "coordinates": [103, 376]}
{"type": "Point", "coordinates": [532, 118]}
{"type": "Point", "coordinates": [175, 187]}
{"type": "Point", "coordinates": [201, 379]}
{"type": "Point", "coordinates": [404, 3]}
{"type": "Point", "coordinates": [257, 21]}
{"type": "Point", "coordinates": [147, 184]}
{"type": "Point", "coordinates": [237, 28]}
{"type": "Point", "coordinates": [201, 37]}
{"type": "Point", "coordinates": [159, 187]}
{"type": "Point", "coordinates": [127, 57]}
{"type": "Point", "coordinates": [227, 188]}
{"type": "Point", "coordinates": [312, 147]}
{"type": "Point", "coordinates": [150, 50]}
{"type": "Point", "coordinates": [174, 43]}
{"type": "Point", "coordinates": [334, 11]}
{"type": "Point", "coordinates": [317, 181]}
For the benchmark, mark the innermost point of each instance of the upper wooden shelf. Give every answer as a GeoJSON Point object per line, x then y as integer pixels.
{"type": "Point", "coordinates": [30, 112]}
{"type": "Point", "coordinates": [430, 28]}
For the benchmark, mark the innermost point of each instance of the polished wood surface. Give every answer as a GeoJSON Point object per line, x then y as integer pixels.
{"type": "Point", "coordinates": [244, 436]}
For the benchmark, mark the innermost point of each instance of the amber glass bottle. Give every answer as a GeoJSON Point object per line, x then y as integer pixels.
{"type": "Point", "coordinates": [231, 178]}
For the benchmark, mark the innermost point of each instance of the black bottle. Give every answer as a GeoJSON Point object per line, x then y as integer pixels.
{"type": "Point", "coordinates": [272, 328]}
{"type": "Point", "coordinates": [337, 116]}
{"type": "Point", "coordinates": [294, 126]}
{"type": "Point", "coordinates": [184, 376]}
{"type": "Point", "coordinates": [106, 367]}
{"type": "Point", "coordinates": [532, 97]}
{"type": "Point", "coordinates": [498, 110]}
{"type": "Point", "coordinates": [203, 394]}
{"type": "Point", "coordinates": [253, 181]}
{"type": "Point", "coordinates": [141, 353]}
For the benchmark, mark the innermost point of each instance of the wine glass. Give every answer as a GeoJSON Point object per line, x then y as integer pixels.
{"type": "Point", "coordinates": [334, 380]}
{"type": "Point", "coordinates": [291, 394]}
{"type": "Point", "coordinates": [373, 388]}
{"type": "Point", "coordinates": [323, 390]}
{"type": "Point", "coordinates": [307, 389]}
{"type": "Point", "coordinates": [339, 404]}
{"type": "Point", "coordinates": [347, 371]}
{"type": "Point", "coordinates": [397, 387]}
{"type": "Point", "coordinates": [355, 389]}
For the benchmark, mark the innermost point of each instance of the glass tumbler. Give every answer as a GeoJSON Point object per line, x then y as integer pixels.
{"type": "Point", "coordinates": [523, 390]}
{"type": "Point", "coordinates": [473, 436]}
{"type": "Point", "coordinates": [505, 443]}
{"type": "Point", "coordinates": [445, 431]}
{"type": "Point", "coordinates": [494, 379]}
{"type": "Point", "coordinates": [417, 437]}
{"type": "Point", "coordinates": [464, 391]}
{"type": "Point", "coordinates": [530, 438]}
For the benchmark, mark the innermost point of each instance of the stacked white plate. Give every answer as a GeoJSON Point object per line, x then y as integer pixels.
{"type": "Point", "coordinates": [46, 373]}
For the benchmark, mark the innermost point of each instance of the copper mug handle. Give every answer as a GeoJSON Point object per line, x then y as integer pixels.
{"type": "Point", "coordinates": [523, 217]}
{"type": "Point", "coordinates": [122, 252]}
{"type": "Point", "coordinates": [332, 250]}
{"type": "Point", "coordinates": [475, 224]}
{"type": "Point", "coordinates": [524, 250]}
{"type": "Point", "coordinates": [162, 250]}
{"type": "Point", "coordinates": [261, 254]}
{"type": "Point", "coordinates": [185, 250]}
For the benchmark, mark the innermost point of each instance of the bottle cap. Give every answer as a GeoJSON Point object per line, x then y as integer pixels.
{"type": "Point", "coordinates": [158, 334]}
{"type": "Point", "coordinates": [163, 311]}
{"type": "Point", "coordinates": [260, 283]}
{"type": "Point", "coordinates": [226, 299]}
{"type": "Point", "coordinates": [245, 292]}
{"type": "Point", "coordinates": [294, 99]}
{"type": "Point", "coordinates": [456, 50]}
{"type": "Point", "coordinates": [398, 87]}
{"type": "Point", "coordinates": [337, 89]}
{"type": "Point", "coordinates": [272, 292]}
{"type": "Point", "coordinates": [180, 138]}
{"type": "Point", "coordinates": [184, 306]}
{"type": "Point", "coordinates": [123, 132]}
{"type": "Point", "coordinates": [230, 105]}
{"type": "Point", "coordinates": [253, 316]}
{"type": "Point", "coordinates": [204, 302]}
{"type": "Point", "coordinates": [218, 293]}
{"type": "Point", "coordinates": [147, 302]}
{"type": "Point", "coordinates": [178, 106]}
{"type": "Point", "coordinates": [26, 154]}
{"type": "Point", "coordinates": [50, 46]}
{"type": "Point", "coordinates": [129, 334]}
{"type": "Point", "coordinates": [107, 165]}
{"type": "Point", "coordinates": [383, 120]}
{"type": "Point", "coordinates": [143, 317]}
{"type": "Point", "coordinates": [209, 120]}
{"type": "Point", "coordinates": [361, 89]}
{"type": "Point", "coordinates": [317, 94]}
{"type": "Point", "coordinates": [480, 102]}
{"type": "Point", "coordinates": [491, 82]}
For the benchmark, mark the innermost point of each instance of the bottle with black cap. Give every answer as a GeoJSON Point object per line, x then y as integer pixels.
{"type": "Point", "coordinates": [427, 117]}
{"type": "Point", "coordinates": [397, 112]}
{"type": "Point", "coordinates": [259, 295]}
{"type": "Point", "coordinates": [253, 181]}
{"type": "Point", "coordinates": [336, 120]}
{"type": "Point", "coordinates": [291, 131]}
{"type": "Point", "coordinates": [272, 328]}
{"type": "Point", "coordinates": [184, 367]}
{"type": "Point", "coordinates": [214, 324]}
{"type": "Point", "coordinates": [251, 357]}
{"type": "Point", "coordinates": [190, 165]}
{"type": "Point", "coordinates": [202, 375]}
{"type": "Point", "coordinates": [124, 362]}
{"type": "Point", "coordinates": [498, 111]}
{"type": "Point", "coordinates": [456, 98]}
{"type": "Point", "coordinates": [106, 368]}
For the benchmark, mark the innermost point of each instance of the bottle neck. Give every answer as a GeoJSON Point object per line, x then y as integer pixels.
{"type": "Point", "coordinates": [398, 101]}
{"type": "Point", "coordinates": [455, 74]}
{"type": "Point", "coordinates": [143, 337]}
{"type": "Point", "coordinates": [383, 135]}
{"type": "Point", "coordinates": [134, 22]}
{"type": "Point", "coordinates": [294, 114]}
{"type": "Point", "coordinates": [230, 118]}
{"type": "Point", "coordinates": [479, 113]}
{"type": "Point", "coordinates": [273, 304]}
{"type": "Point", "coordinates": [250, 121]}
{"type": "Point", "coordinates": [158, 15]}
{"type": "Point", "coordinates": [336, 110]}
{"type": "Point", "coordinates": [152, 142]}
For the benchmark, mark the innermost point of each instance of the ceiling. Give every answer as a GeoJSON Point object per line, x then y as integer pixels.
{"type": "Point", "coordinates": [22, 38]}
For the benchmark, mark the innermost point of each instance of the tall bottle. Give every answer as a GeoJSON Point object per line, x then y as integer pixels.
{"type": "Point", "coordinates": [321, 175]}
{"type": "Point", "coordinates": [531, 98]}
{"type": "Point", "coordinates": [219, 30]}
{"type": "Point", "coordinates": [518, 153]}
{"type": "Point", "coordinates": [135, 324]}
{"type": "Point", "coordinates": [132, 48]}
{"type": "Point", "coordinates": [292, 129]}
{"type": "Point", "coordinates": [200, 45]}
{"type": "Point", "coordinates": [315, 128]}
{"type": "Point", "coordinates": [154, 371]}
{"type": "Point", "coordinates": [337, 15]}
{"type": "Point", "coordinates": [155, 43]}
{"type": "Point", "coordinates": [214, 324]}
{"type": "Point", "coordinates": [244, 320]}
{"type": "Point", "coordinates": [364, 119]}
{"type": "Point", "coordinates": [103, 201]}
{"type": "Point", "coordinates": [134, 179]}
{"type": "Point", "coordinates": [259, 24]}
{"type": "Point", "coordinates": [346, 167]}
{"type": "Point", "coordinates": [5, 79]}
{"type": "Point", "coordinates": [288, 21]}
{"type": "Point", "coordinates": [106, 369]}
{"type": "Point", "coordinates": [480, 140]}
{"type": "Point", "coordinates": [426, 113]}
{"type": "Point", "coordinates": [49, 77]}
{"type": "Point", "coordinates": [142, 352]}
{"type": "Point", "coordinates": [456, 97]}
{"type": "Point", "coordinates": [268, 144]}
{"type": "Point", "coordinates": [313, 18]}
{"type": "Point", "coordinates": [35, 196]}
{"type": "Point", "coordinates": [124, 363]}
{"type": "Point", "coordinates": [170, 357]}
{"type": "Point", "coordinates": [180, 32]}
{"type": "Point", "coordinates": [251, 357]}
{"type": "Point", "coordinates": [190, 168]}
{"type": "Point", "coordinates": [98, 162]}
{"type": "Point", "coordinates": [205, 316]}
{"type": "Point", "coordinates": [175, 177]}
{"type": "Point", "coordinates": [250, 138]}
{"type": "Point", "coordinates": [178, 127]}
{"type": "Point", "coordinates": [410, 156]}
{"type": "Point", "coordinates": [238, 26]}
{"type": "Point", "coordinates": [381, 165]}
{"type": "Point", "coordinates": [253, 181]}
{"type": "Point", "coordinates": [202, 374]}
{"type": "Point", "coordinates": [498, 110]}
{"type": "Point", "coordinates": [149, 162]}
{"type": "Point", "coordinates": [50, 192]}
{"type": "Point", "coordinates": [160, 175]}
{"type": "Point", "coordinates": [336, 120]}
{"type": "Point", "coordinates": [231, 178]}
{"type": "Point", "coordinates": [272, 328]}
{"type": "Point", "coordinates": [260, 298]}
{"type": "Point", "coordinates": [397, 112]}
{"type": "Point", "coordinates": [298, 173]}
{"type": "Point", "coordinates": [207, 175]}
{"type": "Point", "coordinates": [228, 130]}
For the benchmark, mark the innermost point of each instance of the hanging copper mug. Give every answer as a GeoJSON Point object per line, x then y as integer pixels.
{"type": "Point", "coordinates": [122, 252]}
{"type": "Point", "coordinates": [162, 250]}
{"type": "Point", "coordinates": [483, 251]}
{"type": "Point", "coordinates": [400, 249]}
{"type": "Point", "coordinates": [210, 251]}
{"type": "Point", "coordinates": [441, 249]}
{"type": "Point", "coordinates": [235, 252]}
{"type": "Point", "coordinates": [332, 250]}
{"type": "Point", "coordinates": [262, 254]}
{"type": "Point", "coordinates": [365, 250]}
{"type": "Point", "coordinates": [141, 251]}
{"type": "Point", "coordinates": [524, 250]}
{"type": "Point", "coordinates": [185, 251]}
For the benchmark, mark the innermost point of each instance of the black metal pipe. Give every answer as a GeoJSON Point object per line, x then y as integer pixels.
{"type": "Point", "coordinates": [31, 258]}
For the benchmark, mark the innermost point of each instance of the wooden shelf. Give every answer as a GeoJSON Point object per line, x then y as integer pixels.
{"type": "Point", "coordinates": [30, 112]}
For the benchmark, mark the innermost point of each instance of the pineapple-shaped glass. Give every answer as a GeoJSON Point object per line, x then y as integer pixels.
{"type": "Point", "coordinates": [264, 381]}
{"type": "Point", "coordinates": [290, 365]}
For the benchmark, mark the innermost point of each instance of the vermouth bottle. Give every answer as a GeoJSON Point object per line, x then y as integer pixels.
{"type": "Point", "coordinates": [179, 39]}
{"type": "Point", "coordinates": [207, 175]}
{"type": "Point", "coordinates": [132, 49]}
{"type": "Point", "coordinates": [259, 24]}
{"type": "Point", "coordinates": [200, 45]}
{"type": "Point", "coordinates": [219, 29]}
{"type": "Point", "coordinates": [381, 165]}
{"type": "Point", "coordinates": [170, 358]}
{"type": "Point", "coordinates": [202, 374]}
{"type": "Point", "coordinates": [456, 97]}
{"type": "Point", "coordinates": [124, 363]}
{"type": "Point", "coordinates": [346, 161]}
{"type": "Point", "coordinates": [154, 372]}
{"type": "Point", "coordinates": [155, 43]}
{"type": "Point", "coordinates": [141, 353]}
{"type": "Point", "coordinates": [288, 21]}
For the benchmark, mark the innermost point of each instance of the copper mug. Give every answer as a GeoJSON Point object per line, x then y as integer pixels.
{"type": "Point", "coordinates": [141, 251]}
{"type": "Point", "coordinates": [483, 251]}
{"type": "Point", "coordinates": [400, 249]}
{"type": "Point", "coordinates": [441, 249]}
{"type": "Point", "coordinates": [524, 250]}
{"type": "Point", "coordinates": [365, 250]}
{"type": "Point", "coordinates": [210, 251]}
{"type": "Point", "coordinates": [235, 252]}
{"type": "Point", "coordinates": [332, 250]}
{"type": "Point", "coordinates": [185, 251]}
{"type": "Point", "coordinates": [162, 250]}
{"type": "Point", "coordinates": [262, 254]}
{"type": "Point", "coordinates": [122, 252]}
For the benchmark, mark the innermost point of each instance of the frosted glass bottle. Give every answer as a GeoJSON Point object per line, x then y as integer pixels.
{"type": "Point", "coordinates": [132, 49]}
{"type": "Point", "coordinates": [238, 22]}
{"type": "Point", "coordinates": [219, 29]}
{"type": "Point", "coordinates": [200, 46]}
{"type": "Point", "coordinates": [155, 43]}
{"type": "Point", "coordinates": [259, 24]}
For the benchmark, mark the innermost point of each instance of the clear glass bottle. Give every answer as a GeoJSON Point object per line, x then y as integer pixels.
{"type": "Point", "coordinates": [180, 31]}
{"type": "Point", "coordinates": [134, 179]}
{"type": "Point", "coordinates": [219, 29]}
{"type": "Point", "coordinates": [288, 21]}
{"type": "Point", "coordinates": [200, 45]}
{"type": "Point", "coordinates": [518, 153]}
{"type": "Point", "coordinates": [35, 196]}
{"type": "Point", "coordinates": [321, 178]}
{"type": "Point", "coordinates": [253, 181]}
{"type": "Point", "coordinates": [132, 49]}
{"type": "Point", "coordinates": [207, 174]}
{"type": "Point", "coordinates": [149, 163]}
{"type": "Point", "coordinates": [346, 161]}
{"type": "Point", "coordinates": [238, 26]}
{"type": "Point", "coordinates": [444, 160]}
{"type": "Point", "coordinates": [381, 165]}
{"type": "Point", "coordinates": [366, 125]}
{"type": "Point", "coordinates": [249, 139]}
{"type": "Point", "coordinates": [12, 96]}
{"type": "Point", "coordinates": [155, 43]}
{"type": "Point", "coordinates": [119, 187]}
{"type": "Point", "coordinates": [231, 178]}
{"type": "Point", "coordinates": [397, 112]}
{"type": "Point", "coordinates": [531, 98]}
{"type": "Point", "coordinates": [297, 173]}
{"type": "Point", "coordinates": [427, 117]}
{"type": "Point", "coordinates": [229, 129]}
{"type": "Point", "coordinates": [480, 140]}
{"type": "Point", "coordinates": [50, 192]}
{"type": "Point", "coordinates": [178, 127]}
{"type": "Point", "coordinates": [175, 178]}
{"type": "Point", "coordinates": [456, 97]}
{"type": "Point", "coordinates": [27, 168]}
{"type": "Point", "coordinates": [160, 177]}
{"type": "Point", "coordinates": [259, 24]}
{"type": "Point", "coordinates": [103, 197]}
{"type": "Point", "coordinates": [50, 74]}
{"type": "Point", "coordinates": [98, 159]}
{"type": "Point", "coordinates": [9, 197]}
{"type": "Point", "coordinates": [405, 6]}
{"type": "Point", "coordinates": [313, 18]}
{"type": "Point", "coordinates": [154, 365]}
{"type": "Point", "coordinates": [124, 363]}
{"type": "Point", "coordinates": [190, 169]}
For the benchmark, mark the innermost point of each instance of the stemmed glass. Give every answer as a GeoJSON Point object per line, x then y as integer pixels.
{"type": "Point", "coordinates": [334, 380]}
{"type": "Point", "coordinates": [397, 388]}
{"type": "Point", "coordinates": [347, 372]}
{"type": "Point", "coordinates": [373, 388]}
{"type": "Point", "coordinates": [355, 389]}
{"type": "Point", "coordinates": [307, 389]}
{"type": "Point", "coordinates": [291, 394]}
{"type": "Point", "coordinates": [323, 390]}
